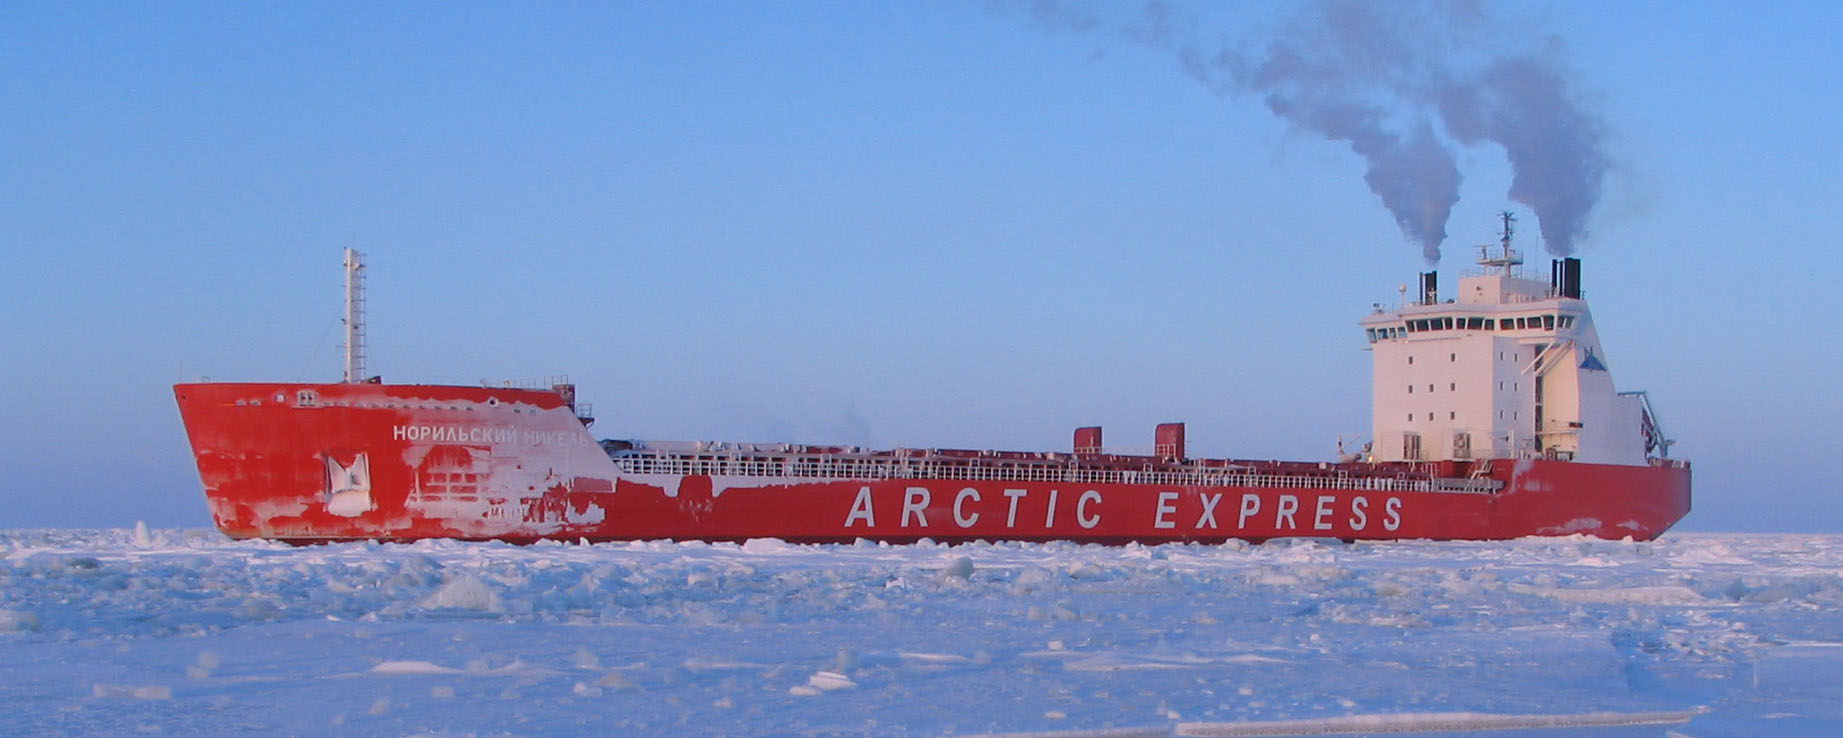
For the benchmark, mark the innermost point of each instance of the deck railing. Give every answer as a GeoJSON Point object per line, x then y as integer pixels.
{"type": "Point", "coordinates": [644, 462]}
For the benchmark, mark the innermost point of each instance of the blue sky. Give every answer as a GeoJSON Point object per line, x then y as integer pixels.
{"type": "Point", "coordinates": [922, 224]}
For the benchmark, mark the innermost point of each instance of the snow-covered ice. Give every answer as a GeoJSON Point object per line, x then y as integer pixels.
{"type": "Point", "coordinates": [184, 633]}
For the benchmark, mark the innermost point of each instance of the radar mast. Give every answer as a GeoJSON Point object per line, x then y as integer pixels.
{"type": "Point", "coordinates": [1507, 258]}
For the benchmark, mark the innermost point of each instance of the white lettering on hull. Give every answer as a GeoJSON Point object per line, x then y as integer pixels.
{"type": "Point", "coordinates": [1161, 517]}
{"type": "Point", "coordinates": [861, 509]}
{"type": "Point", "coordinates": [959, 500]}
{"type": "Point", "coordinates": [915, 502]}
{"type": "Point", "coordinates": [429, 433]}
{"type": "Point", "coordinates": [1081, 509]}
{"type": "Point", "coordinates": [1329, 513]}
{"type": "Point", "coordinates": [1208, 518]}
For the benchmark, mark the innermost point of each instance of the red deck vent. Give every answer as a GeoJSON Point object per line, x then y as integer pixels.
{"type": "Point", "coordinates": [1170, 441]}
{"type": "Point", "coordinates": [1088, 441]}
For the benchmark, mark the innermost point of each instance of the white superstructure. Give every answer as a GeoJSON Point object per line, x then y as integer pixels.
{"type": "Point", "coordinates": [1510, 367]}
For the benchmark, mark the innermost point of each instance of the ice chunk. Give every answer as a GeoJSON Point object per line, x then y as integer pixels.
{"type": "Point", "coordinates": [829, 681]}
{"type": "Point", "coordinates": [152, 692]}
{"type": "Point", "coordinates": [464, 592]}
{"type": "Point", "coordinates": [1432, 722]}
{"type": "Point", "coordinates": [615, 680]}
{"type": "Point", "coordinates": [584, 690]}
{"type": "Point", "coordinates": [961, 567]}
{"type": "Point", "coordinates": [411, 667]}
{"type": "Point", "coordinates": [18, 621]}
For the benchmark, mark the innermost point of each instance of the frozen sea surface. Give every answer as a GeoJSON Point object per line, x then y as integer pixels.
{"type": "Point", "coordinates": [117, 632]}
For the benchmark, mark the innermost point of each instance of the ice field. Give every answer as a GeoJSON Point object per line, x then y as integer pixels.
{"type": "Point", "coordinates": [131, 632]}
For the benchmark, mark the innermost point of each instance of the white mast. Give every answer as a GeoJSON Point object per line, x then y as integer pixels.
{"type": "Point", "coordinates": [355, 316]}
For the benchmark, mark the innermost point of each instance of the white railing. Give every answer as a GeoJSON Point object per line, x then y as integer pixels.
{"type": "Point", "coordinates": [642, 462]}
{"type": "Point", "coordinates": [530, 383]}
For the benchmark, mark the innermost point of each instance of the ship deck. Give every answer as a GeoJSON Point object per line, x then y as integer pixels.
{"type": "Point", "coordinates": [833, 463]}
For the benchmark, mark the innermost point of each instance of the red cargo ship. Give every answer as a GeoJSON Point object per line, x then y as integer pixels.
{"type": "Point", "coordinates": [1494, 417]}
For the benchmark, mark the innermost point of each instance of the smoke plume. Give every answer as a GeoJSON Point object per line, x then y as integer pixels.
{"type": "Point", "coordinates": [1403, 84]}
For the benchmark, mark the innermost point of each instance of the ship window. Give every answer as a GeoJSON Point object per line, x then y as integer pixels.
{"type": "Point", "coordinates": [1411, 360]}
{"type": "Point", "coordinates": [1446, 323]}
{"type": "Point", "coordinates": [1429, 386]}
{"type": "Point", "coordinates": [1453, 386]}
{"type": "Point", "coordinates": [1490, 324]}
{"type": "Point", "coordinates": [1452, 416]}
{"type": "Point", "coordinates": [1452, 357]}
{"type": "Point", "coordinates": [1410, 417]}
{"type": "Point", "coordinates": [1410, 389]}
{"type": "Point", "coordinates": [1430, 416]}
{"type": "Point", "coordinates": [1548, 322]}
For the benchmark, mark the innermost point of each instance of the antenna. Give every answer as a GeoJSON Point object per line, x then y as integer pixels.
{"type": "Point", "coordinates": [355, 316]}
{"type": "Point", "coordinates": [1508, 258]}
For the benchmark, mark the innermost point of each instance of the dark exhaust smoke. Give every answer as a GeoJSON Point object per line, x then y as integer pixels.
{"type": "Point", "coordinates": [1401, 83]}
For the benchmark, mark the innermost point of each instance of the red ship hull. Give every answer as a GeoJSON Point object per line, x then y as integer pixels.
{"type": "Point", "coordinates": [329, 462]}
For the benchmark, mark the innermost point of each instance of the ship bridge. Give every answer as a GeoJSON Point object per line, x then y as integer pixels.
{"type": "Point", "coordinates": [1508, 367]}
